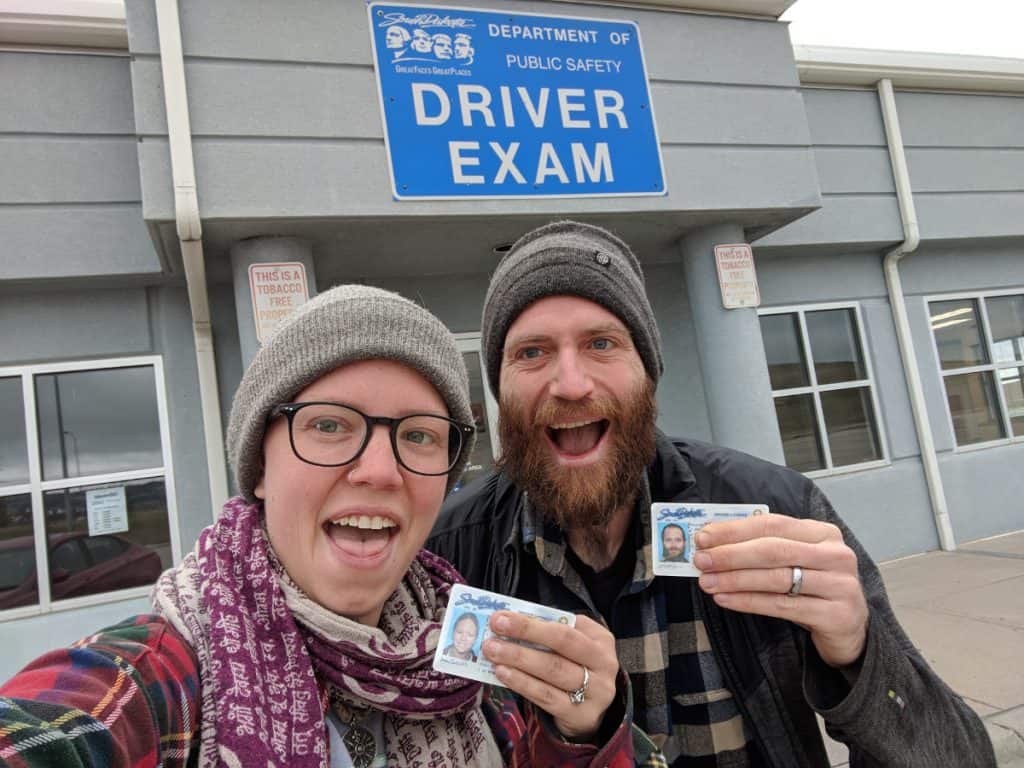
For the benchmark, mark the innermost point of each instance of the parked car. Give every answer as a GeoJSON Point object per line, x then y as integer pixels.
{"type": "Point", "coordinates": [80, 564]}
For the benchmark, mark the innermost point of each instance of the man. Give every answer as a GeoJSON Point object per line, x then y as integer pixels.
{"type": "Point", "coordinates": [790, 616]}
{"type": "Point", "coordinates": [673, 544]}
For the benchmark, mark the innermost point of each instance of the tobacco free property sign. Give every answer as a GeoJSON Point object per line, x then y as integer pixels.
{"type": "Point", "coordinates": [495, 105]}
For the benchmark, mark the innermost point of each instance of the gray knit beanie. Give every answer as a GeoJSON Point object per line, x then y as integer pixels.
{"type": "Point", "coordinates": [343, 325]}
{"type": "Point", "coordinates": [569, 258]}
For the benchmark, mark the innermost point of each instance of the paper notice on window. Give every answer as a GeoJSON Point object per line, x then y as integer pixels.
{"type": "Point", "coordinates": [107, 510]}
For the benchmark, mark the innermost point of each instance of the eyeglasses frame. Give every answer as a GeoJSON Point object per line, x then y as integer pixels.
{"type": "Point", "coordinates": [465, 431]}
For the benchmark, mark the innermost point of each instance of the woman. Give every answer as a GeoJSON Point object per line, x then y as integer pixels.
{"type": "Point", "coordinates": [300, 630]}
{"type": "Point", "coordinates": [464, 634]}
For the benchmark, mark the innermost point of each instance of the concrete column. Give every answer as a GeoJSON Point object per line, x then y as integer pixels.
{"type": "Point", "coordinates": [263, 250]}
{"type": "Point", "coordinates": [732, 362]}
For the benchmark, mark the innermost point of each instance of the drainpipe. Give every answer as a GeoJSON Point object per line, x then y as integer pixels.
{"type": "Point", "coordinates": [190, 235]}
{"type": "Point", "coordinates": [912, 233]}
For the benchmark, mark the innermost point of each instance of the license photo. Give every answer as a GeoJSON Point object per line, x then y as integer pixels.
{"type": "Point", "coordinates": [674, 527]}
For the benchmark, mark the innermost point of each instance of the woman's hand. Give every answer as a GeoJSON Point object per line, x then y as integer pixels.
{"type": "Point", "coordinates": [547, 679]}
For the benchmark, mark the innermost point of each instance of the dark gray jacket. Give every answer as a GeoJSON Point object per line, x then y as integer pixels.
{"type": "Point", "coordinates": [894, 711]}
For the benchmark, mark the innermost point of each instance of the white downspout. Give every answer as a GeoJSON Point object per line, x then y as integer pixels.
{"type": "Point", "coordinates": [912, 235]}
{"type": "Point", "coordinates": [190, 234]}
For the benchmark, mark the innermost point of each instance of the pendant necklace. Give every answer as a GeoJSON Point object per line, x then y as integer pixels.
{"type": "Point", "coordinates": [358, 739]}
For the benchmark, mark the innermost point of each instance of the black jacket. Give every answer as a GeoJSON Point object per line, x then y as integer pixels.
{"type": "Point", "coordinates": [892, 711]}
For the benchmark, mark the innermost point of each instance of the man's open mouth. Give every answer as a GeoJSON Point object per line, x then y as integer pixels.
{"type": "Point", "coordinates": [578, 437]}
{"type": "Point", "coordinates": [361, 535]}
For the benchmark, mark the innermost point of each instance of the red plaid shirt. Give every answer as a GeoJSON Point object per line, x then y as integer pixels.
{"type": "Point", "coordinates": [129, 696]}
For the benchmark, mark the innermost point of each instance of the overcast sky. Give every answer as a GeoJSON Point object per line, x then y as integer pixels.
{"type": "Point", "coordinates": [978, 27]}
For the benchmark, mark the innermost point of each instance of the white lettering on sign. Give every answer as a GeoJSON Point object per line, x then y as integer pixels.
{"type": "Point", "coordinates": [596, 166]}
{"type": "Point", "coordinates": [278, 289]}
{"type": "Point", "coordinates": [432, 106]}
{"type": "Point", "coordinates": [526, 32]}
{"type": "Point", "coordinates": [477, 106]}
{"type": "Point", "coordinates": [736, 276]}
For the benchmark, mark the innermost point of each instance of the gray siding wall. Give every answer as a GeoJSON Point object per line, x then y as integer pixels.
{"type": "Point", "coordinates": [70, 201]}
{"type": "Point", "coordinates": [84, 323]}
{"type": "Point", "coordinates": [857, 191]}
{"type": "Point", "coordinates": [965, 156]}
{"type": "Point", "coordinates": [287, 123]}
{"type": "Point", "coordinates": [983, 487]}
{"type": "Point", "coordinates": [891, 512]}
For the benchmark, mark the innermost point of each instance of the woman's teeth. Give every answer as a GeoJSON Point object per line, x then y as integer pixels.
{"type": "Point", "coordinates": [365, 522]}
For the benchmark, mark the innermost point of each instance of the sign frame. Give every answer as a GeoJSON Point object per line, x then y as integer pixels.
{"type": "Point", "coordinates": [398, 196]}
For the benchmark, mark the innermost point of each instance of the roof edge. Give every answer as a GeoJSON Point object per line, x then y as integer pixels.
{"type": "Point", "coordinates": [825, 65]}
{"type": "Point", "coordinates": [64, 23]}
{"type": "Point", "coordinates": [759, 9]}
{"type": "Point", "coordinates": [101, 23]}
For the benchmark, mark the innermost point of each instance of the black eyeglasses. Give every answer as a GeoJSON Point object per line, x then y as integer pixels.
{"type": "Point", "coordinates": [332, 435]}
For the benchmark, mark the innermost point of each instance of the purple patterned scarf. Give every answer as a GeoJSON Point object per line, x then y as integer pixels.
{"type": "Point", "coordinates": [267, 654]}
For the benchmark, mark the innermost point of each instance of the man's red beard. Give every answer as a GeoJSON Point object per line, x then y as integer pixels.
{"type": "Point", "coordinates": [579, 498]}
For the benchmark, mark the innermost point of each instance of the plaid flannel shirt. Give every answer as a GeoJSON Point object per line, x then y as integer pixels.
{"type": "Point", "coordinates": [679, 696]}
{"type": "Point", "coordinates": [129, 695]}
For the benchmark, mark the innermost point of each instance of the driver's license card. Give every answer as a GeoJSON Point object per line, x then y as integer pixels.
{"type": "Point", "coordinates": [674, 526]}
{"type": "Point", "coordinates": [467, 624]}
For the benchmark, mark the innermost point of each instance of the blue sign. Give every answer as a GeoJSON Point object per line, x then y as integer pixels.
{"type": "Point", "coordinates": [478, 104]}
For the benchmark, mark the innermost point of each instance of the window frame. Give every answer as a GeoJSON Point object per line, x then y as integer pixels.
{"type": "Point", "coordinates": [36, 486]}
{"type": "Point", "coordinates": [992, 365]}
{"type": "Point", "coordinates": [814, 389]}
{"type": "Point", "coordinates": [470, 342]}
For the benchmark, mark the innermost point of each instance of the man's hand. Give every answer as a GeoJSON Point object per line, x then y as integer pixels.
{"type": "Point", "coordinates": [748, 566]}
{"type": "Point", "coordinates": [547, 678]}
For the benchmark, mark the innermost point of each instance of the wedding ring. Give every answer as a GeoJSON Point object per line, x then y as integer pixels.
{"type": "Point", "coordinates": [798, 581]}
{"type": "Point", "coordinates": [580, 694]}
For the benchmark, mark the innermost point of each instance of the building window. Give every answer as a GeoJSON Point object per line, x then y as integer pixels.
{"type": "Point", "coordinates": [822, 386]}
{"type": "Point", "coordinates": [485, 411]}
{"type": "Point", "coordinates": [86, 491]}
{"type": "Point", "coordinates": [979, 340]}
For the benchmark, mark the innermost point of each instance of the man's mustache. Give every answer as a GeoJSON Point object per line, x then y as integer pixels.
{"type": "Point", "coordinates": [557, 411]}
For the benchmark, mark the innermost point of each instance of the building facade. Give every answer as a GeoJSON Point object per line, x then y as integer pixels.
{"type": "Point", "coordinates": [150, 233]}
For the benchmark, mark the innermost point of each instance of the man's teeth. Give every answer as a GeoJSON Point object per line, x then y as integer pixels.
{"type": "Point", "coordinates": [375, 523]}
{"type": "Point", "coordinates": [574, 424]}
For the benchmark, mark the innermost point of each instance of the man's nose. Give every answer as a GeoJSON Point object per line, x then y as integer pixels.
{"type": "Point", "coordinates": [572, 379]}
{"type": "Point", "coordinates": [377, 465]}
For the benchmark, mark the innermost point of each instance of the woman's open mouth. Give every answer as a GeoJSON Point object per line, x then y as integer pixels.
{"type": "Point", "coordinates": [577, 439]}
{"type": "Point", "coordinates": [361, 537]}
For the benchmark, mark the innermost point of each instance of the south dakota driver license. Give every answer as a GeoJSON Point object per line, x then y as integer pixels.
{"type": "Point", "coordinates": [674, 526]}
{"type": "Point", "coordinates": [467, 624]}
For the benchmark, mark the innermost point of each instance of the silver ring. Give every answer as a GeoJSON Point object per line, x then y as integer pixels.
{"type": "Point", "coordinates": [580, 694]}
{"type": "Point", "coordinates": [798, 581]}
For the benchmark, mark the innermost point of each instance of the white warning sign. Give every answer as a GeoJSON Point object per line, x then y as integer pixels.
{"type": "Point", "coordinates": [736, 276]}
{"type": "Point", "coordinates": [278, 289]}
